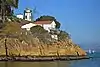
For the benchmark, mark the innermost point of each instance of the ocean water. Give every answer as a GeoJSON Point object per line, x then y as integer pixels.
{"type": "Point", "coordinates": [93, 62]}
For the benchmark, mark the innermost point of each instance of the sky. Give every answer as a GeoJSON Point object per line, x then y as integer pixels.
{"type": "Point", "coordinates": [80, 18]}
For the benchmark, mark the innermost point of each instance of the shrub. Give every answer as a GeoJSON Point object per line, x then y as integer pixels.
{"type": "Point", "coordinates": [38, 29]}
{"type": "Point", "coordinates": [40, 33]}
{"type": "Point", "coordinates": [63, 35]}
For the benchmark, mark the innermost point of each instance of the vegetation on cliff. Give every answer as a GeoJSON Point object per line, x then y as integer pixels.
{"type": "Point", "coordinates": [35, 42]}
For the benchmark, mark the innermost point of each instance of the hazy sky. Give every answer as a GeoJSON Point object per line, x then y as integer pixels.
{"type": "Point", "coordinates": [81, 18]}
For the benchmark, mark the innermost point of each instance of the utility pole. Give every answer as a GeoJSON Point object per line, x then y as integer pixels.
{"type": "Point", "coordinates": [58, 51]}
{"type": "Point", "coordinates": [6, 47]}
{"type": "Point", "coordinates": [3, 12]}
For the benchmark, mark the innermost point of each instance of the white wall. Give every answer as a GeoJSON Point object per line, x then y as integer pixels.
{"type": "Point", "coordinates": [28, 26]}
{"type": "Point", "coordinates": [28, 16]}
{"type": "Point", "coordinates": [49, 26]}
{"type": "Point", "coordinates": [20, 16]}
{"type": "Point", "coordinates": [45, 26]}
{"type": "Point", "coordinates": [53, 25]}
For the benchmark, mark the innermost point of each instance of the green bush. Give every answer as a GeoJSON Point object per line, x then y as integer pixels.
{"type": "Point", "coordinates": [40, 33]}
{"type": "Point", "coordinates": [38, 29]}
{"type": "Point", "coordinates": [63, 35]}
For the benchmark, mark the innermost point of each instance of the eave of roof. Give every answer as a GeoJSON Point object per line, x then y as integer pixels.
{"type": "Point", "coordinates": [42, 22]}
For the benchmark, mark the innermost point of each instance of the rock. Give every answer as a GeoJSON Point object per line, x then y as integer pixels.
{"type": "Point", "coordinates": [19, 44]}
{"type": "Point", "coordinates": [15, 47]}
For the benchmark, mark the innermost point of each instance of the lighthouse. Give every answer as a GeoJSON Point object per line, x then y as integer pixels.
{"type": "Point", "coordinates": [28, 14]}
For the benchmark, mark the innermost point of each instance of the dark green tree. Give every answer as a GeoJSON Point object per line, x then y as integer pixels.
{"type": "Point", "coordinates": [63, 35]}
{"type": "Point", "coordinates": [38, 29]}
{"type": "Point", "coordinates": [50, 18]}
{"type": "Point", "coordinates": [5, 10]}
{"type": "Point", "coordinates": [12, 3]}
{"type": "Point", "coordinates": [6, 5]}
{"type": "Point", "coordinates": [41, 34]}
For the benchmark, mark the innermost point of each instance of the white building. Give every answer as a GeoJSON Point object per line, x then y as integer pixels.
{"type": "Point", "coordinates": [47, 25]}
{"type": "Point", "coordinates": [20, 16]}
{"type": "Point", "coordinates": [28, 14]}
{"type": "Point", "coordinates": [28, 26]}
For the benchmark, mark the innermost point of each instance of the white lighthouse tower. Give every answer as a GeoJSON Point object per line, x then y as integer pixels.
{"type": "Point", "coordinates": [28, 14]}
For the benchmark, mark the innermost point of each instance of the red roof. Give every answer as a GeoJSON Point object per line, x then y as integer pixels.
{"type": "Point", "coordinates": [42, 22]}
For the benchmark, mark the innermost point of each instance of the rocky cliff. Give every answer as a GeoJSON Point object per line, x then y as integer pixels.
{"type": "Point", "coordinates": [22, 42]}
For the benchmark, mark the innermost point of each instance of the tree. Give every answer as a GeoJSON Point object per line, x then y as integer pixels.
{"type": "Point", "coordinates": [50, 18]}
{"type": "Point", "coordinates": [63, 35]}
{"type": "Point", "coordinates": [12, 3]}
{"type": "Point", "coordinates": [40, 33]}
{"type": "Point", "coordinates": [38, 29]}
{"type": "Point", "coordinates": [6, 5]}
{"type": "Point", "coordinates": [5, 9]}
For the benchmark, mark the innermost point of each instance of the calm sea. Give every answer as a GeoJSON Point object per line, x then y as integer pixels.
{"type": "Point", "coordinates": [93, 62]}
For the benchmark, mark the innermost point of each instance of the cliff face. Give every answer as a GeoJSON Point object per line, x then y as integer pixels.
{"type": "Point", "coordinates": [21, 43]}
{"type": "Point", "coordinates": [17, 47]}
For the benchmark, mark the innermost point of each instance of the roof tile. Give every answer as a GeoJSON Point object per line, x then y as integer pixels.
{"type": "Point", "coordinates": [42, 22]}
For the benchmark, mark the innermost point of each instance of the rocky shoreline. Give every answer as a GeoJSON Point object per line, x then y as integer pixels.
{"type": "Point", "coordinates": [41, 58]}
{"type": "Point", "coordinates": [23, 45]}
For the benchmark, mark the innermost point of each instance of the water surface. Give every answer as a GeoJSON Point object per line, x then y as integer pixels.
{"type": "Point", "coordinates": [93, 62]}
